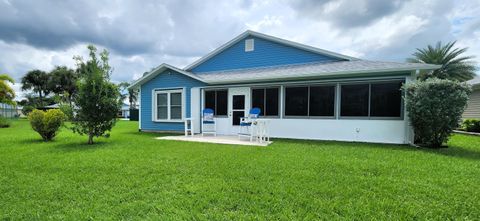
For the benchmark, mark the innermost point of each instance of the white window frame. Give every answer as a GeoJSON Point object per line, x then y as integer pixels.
{"type": "Point", "coordinates": [155, 109]}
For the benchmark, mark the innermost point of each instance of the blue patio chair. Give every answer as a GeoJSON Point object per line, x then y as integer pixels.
{"type": "Point", "coordinates": [247, 122]}
{"type": "Point", "coordinates": [209, 125]}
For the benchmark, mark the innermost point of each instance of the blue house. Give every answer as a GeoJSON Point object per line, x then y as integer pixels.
{"type": "Point", "coordinates": [306, 92]}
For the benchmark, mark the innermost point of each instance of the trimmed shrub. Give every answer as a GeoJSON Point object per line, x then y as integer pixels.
{"type": "Point", "coordinates": [46, 123]}
{"type": "Point", "coordinates": [4, 122]}
{"type": "Point", "coordinates": [435, 108]}
{"type": "Point", "coordinates": [471, 125]}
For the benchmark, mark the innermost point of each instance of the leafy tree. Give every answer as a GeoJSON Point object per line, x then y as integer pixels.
{"type": "Point", "coordinates": [7, 94]}
{"type": "Point", "coordinates": [132, 94]}
{"type": "Point", "coordinates": [63, 82]}
{"type": "Point", "coordinates": [97, 101]}
{"type": "Point", "coordinates": [454, 65]}
{"type": "Point", "coordinates": [435, 108]}
{"type": "Point", "coordinates": [37, 80]}
{"type": "Point", "coordinates": [30, 102]}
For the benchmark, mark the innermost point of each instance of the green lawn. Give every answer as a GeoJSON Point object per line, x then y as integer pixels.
{"type": "Point", "coordinates": [133, 176]}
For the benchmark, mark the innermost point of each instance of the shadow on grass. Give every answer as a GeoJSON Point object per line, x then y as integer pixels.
{"type": "Point", "coordinates": [451, 151]}
{"type": "Point", "coordinates": [34, 141]}
{"type": "Point", "coordinates": [80, 146]}
{"type": "Point", "coordinates": [454, 151]}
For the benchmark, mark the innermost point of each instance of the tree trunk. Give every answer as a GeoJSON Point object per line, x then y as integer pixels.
{"type": "Point", "coordinates": [90, 139]}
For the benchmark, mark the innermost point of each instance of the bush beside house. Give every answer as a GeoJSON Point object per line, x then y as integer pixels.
{"type": "Point", "coordinates": [471, 125]}
{"type": "Point", "coordinates": [435, 108]}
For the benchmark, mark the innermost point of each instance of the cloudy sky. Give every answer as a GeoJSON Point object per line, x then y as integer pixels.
{"type": "Point", "coordinates": [143, 34]}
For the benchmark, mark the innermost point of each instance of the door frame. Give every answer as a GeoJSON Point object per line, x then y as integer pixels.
{"type": "Point", "coordinates": [235, 129]}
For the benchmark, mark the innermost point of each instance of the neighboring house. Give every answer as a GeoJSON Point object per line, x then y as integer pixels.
{"type": "Point", "coordinates": [10, 111]}
{"type": "Point", "coordinates": [473, 106]}
{"type": "Point", "coordinates": [308, 93]}
{"type": "Point", "coordinates": [124, 111]}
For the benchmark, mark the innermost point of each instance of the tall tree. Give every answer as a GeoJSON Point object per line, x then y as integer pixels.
{"type": "Point", "coordinates": [63, 81]}
{"type": "Point", "coordinates": [36, 80]}
{"type": "Point", "coordinates": [132, 94]}
{"type": "Point", "coordinates": [455, 66]}
{"type": "Point", "coordinates": [7, 94]}
{"type": "Point", "coordinates": [97, 101]}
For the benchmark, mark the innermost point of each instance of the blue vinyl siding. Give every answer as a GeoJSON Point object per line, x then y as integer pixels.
{"type": "Point", "coordinates": [167, 79]}
{"type": "Point", "coordinates": [265, 53]}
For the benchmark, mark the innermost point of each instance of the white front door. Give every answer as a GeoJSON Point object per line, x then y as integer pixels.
{"type": "Point", "coordinates": [238, 107]}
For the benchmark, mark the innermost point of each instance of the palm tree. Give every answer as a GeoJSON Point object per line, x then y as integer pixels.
{"type": "Point", "coordinates": [36, 80]}
{"type": "Point", "coordinates": [132, 94]}
{"type": "Point", "coordinates": [63, 82]}
{"type": "Point", "coordinates": [7, 94]}
{"type": "Point", "coordinates": [454, 65]}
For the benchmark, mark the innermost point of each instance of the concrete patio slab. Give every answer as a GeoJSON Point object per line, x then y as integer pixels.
{"type": "Point", "coordinates": [219, 139]}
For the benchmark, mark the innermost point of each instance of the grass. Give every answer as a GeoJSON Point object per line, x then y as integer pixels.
{"type": "Point", "coordinates": [133, 176]}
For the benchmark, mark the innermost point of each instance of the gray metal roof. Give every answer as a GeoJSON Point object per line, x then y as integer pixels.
{"type": "Point", "coordinates": [311, 70]}
{"type": "Point", "coordinates": [475, 81]}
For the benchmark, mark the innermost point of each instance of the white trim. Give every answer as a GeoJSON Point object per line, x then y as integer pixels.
{"type": "Point", "coordinates": [271, 38]}
{"type": "Point", "coordinates": [156, 92]}
{"type": "Point", "coordinates": [287, 83]}
{"type": "Point", "coordinates": [161, 68]}
{"type": "Point", "coordinates": [140, 108]}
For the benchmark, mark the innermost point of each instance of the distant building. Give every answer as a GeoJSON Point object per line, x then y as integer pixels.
{"type": "Point", "coordinates": [473, 107]}
{"type": "Point", "coordinates": [10, 111]}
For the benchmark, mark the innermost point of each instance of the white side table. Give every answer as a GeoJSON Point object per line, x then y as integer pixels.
{"type": "Point", "coordinates": [262, 130]}
{"type": "Point", "coordinates": [188, 122]}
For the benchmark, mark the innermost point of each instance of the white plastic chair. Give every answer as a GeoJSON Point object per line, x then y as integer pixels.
{"type": "Point", "coordinates": [209, 126]}
{"type": "Point", "coordinates": [247, 124]}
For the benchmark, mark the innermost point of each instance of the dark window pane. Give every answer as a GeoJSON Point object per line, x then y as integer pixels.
{"type": "Point", "coordinates": [162, 99]}
{"type": "Point", "coordinates": [322, 100]}
{"type": "Point", "coordinates": [386, 100]}
{"type": "Point", "coordinates": [210, 100]}
{"type": "Point", "coordinates": [238, 102]}
{"type": "Point", "coordinates": [162, 113]}
{"type": "Point", "coordinates": [271, 102]}
{"type": "Point", "coordinates": [222, 102]}
{"type": "Point", "coordinates": [258, 99]}
{"type": "Point", "coordinates": [176, 112]}
{"type": "Point", "coordinates": [354, 100]}
{"type": "Point", "coordinates": [296, 101]}
{"type": "Point", "coordinates": [236, 117]}
{"type": "Point", "coordinates": [176, 99]}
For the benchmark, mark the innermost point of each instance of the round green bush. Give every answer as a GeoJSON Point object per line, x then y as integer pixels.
{"type": "Point", "coordinates": [46, 123]}
{"type": "Point", "coordinates": [435, 108]}
{"type": "Point", "coordinates": [4, 122]}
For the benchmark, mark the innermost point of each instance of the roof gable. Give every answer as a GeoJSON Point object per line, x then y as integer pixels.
{"type": "Point", "coordinates": [267, 51]}
{"type": "Point", "coordinates": [160, 69]}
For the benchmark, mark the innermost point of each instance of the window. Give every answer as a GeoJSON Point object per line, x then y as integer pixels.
{"type": "Point", "coordinates": [249, 45]}
{"type": "Point", "coordinates": [267, 100]}
{"type": "Point", "coordinates": [322, 101]}
{"type": "Point", "coordinates": [168, 105]}
{"type": "Point", "coordinates": [386, 100]}
{"type": "Point", "coordinates": [296, 101]}
{"type": "Point", "coordinates": [354, 100]}
{"type": "Point", "coordinates": [314, 101]}
{"type": "Point", "coordinates": [217, 100]}
{"type": "Point", "coordinates": [383, 99]}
